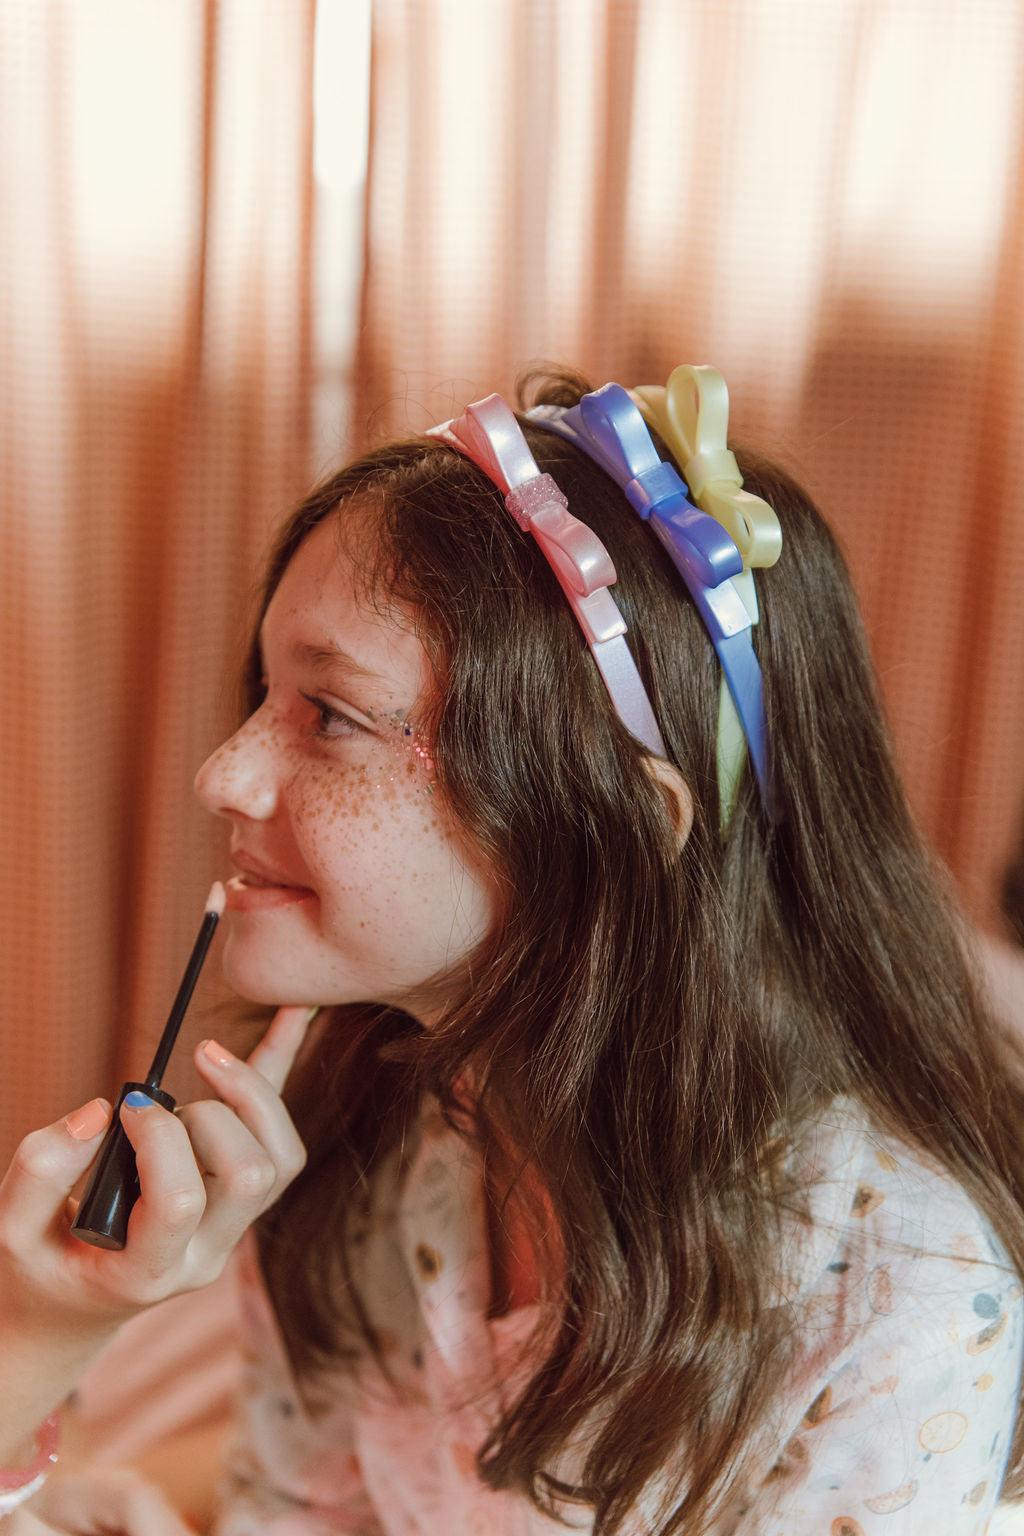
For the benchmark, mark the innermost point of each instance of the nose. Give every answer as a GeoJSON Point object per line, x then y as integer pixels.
{"type": "Point", "coordinates": [240, 778]}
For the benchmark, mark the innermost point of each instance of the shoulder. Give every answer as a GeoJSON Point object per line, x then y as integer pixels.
{"type": "Point", "coordinates": [906, 1334]}
{"type": "Point", "coordinates": [871, 1198]}
{"type": "Point", "coordinates": [904, 1318]}
{"type": "Point", "coordinates": [894, 1271]}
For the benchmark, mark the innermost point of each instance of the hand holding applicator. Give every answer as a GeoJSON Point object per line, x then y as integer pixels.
{"type": "Point", "coordinates": [113, 1187]}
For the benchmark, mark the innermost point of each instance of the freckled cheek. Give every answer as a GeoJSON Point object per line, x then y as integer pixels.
{"type": "Point", "coordinates": [325, 799]}
{"type": "Point", "coordinates": [366, 820]}
{"type": "Point", "coordinates": [364, 797]}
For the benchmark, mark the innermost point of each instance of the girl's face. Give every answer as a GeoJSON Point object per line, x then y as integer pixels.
{"type": "Point", "coordinates": [353, 882]}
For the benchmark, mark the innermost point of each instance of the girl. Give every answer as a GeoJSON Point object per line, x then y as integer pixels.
{"type": "Point", "coordinates": [663, 1175]}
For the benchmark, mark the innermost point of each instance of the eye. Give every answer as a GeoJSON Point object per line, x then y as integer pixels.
{"type": "Point", "coordinates": [333, 723]}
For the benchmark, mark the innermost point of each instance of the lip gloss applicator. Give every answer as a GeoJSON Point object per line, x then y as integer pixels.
{"type": "Point", "coordinates": [113, 1188]}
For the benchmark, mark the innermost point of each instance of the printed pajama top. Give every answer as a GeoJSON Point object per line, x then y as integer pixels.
{"type": "Point", "coordinates": [896, 1418]}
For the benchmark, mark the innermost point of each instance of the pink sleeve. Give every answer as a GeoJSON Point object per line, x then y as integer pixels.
{"type": "Point", "coordinates": [288, 1472]}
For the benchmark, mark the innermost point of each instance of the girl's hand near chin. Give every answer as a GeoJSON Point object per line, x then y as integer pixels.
{"type": "Point", "coordinates": [206, 1173]}
{"type": "Point", "coordinates": [100, 1502]}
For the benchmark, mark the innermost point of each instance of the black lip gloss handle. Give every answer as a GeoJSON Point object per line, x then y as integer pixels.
{"type": "Point", "coordinates": [113, 1188]}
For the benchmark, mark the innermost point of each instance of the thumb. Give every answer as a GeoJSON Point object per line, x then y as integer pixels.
{"type": "Point", "coordinates": [46, 1167]}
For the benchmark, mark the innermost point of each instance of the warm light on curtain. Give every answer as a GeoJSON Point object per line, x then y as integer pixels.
{"type": "Point", "coordinates": [155, 210]}
{"type": "Point", "coordinates": [822, 199]}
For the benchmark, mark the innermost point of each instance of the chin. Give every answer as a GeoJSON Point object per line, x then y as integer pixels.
{"type": "Point", "coordinates": [249, 974]}
{"type": "Point", "coordinates": [252, 982]}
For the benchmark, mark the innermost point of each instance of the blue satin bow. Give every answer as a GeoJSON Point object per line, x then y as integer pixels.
{"type": "Point", "coordinates": [609, 428]}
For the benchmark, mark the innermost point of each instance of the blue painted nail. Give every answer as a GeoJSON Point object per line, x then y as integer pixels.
{"type": "Point", "coordinates": [137, 1100]}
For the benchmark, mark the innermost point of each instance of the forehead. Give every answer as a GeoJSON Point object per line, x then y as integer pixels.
{"type": "Point", "coordinates": [321, 614]}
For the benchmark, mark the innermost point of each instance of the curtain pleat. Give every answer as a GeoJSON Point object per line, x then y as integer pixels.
{"type": "Point", "coordinates": [155, 208]}
{"type": "Point", "coordinates": [822, 200]}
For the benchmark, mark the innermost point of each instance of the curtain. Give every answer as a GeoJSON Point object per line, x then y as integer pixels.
{"type": "Point", "coordinates": [155, 387]}
{"type": "Point", "coordinates": [822, 200]}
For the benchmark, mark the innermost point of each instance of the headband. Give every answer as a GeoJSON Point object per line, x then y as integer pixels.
{"type": "Point", "coordinates": [608, 427]}
{"type": "Point", "coordinates": [489, 434]}
{"type": "Point", "coordinates": [691, 413]}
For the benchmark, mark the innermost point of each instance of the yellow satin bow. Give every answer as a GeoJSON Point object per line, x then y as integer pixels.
{"type": "Point", "coordinates": [691, 414]}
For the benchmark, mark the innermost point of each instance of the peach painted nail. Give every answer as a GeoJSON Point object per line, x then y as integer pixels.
{"type": "Point", "coordinates": [216, 1053]}
{"type": "Point", "coordinates": [85, 1123]}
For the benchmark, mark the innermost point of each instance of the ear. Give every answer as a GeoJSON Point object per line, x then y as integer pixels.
{"type": "Point", "coordinates": [676, 794]}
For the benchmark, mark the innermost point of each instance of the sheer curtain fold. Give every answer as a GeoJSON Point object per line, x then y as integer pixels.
{"type": "Point", "coordinates": [155, 207]}
{"type": "Point", "coordinates": [821, 200]}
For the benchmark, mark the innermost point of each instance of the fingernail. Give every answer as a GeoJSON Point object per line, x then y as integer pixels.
{"type": "Point", "coordinates": [137, 1100]}
{"type": "Point", "coordinates": [216, 1053]}
{"type": "Point", "coordinates": [85, 1123]}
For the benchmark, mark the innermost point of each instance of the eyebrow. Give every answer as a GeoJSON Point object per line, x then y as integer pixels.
{"type": "Point", "coordinates": [328, 658]}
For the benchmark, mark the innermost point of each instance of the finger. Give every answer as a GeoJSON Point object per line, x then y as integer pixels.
{"type": "Point", "coordinates": [225, 1148]}
{"type": "Point", "coordinates": [114, 1499]}
{"type": "Point", "coordinates": [45, 1168]}
{"type": "Point", "coordinates": [173, 1194]}
{"type": "Point", "coordinates": [276, 1052]}
{"type": "Point", "coordinates": [148, 1513]}
{"type": "Point", "coordinates": [256, 1103]}
{"type": "Point", "coordinates": [241, 1177]}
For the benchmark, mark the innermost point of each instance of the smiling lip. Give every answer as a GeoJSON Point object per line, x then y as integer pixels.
{"type": "Point", "coordinates": [257, 888]}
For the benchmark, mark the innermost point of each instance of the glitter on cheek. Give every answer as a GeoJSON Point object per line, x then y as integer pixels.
{"type": "Point", "coordinates": [408, 737]}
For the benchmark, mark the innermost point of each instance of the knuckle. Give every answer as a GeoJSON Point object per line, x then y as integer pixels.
{"type": "Point", "coordinates": [149, 1289]}
{"type": "Point", "coordinates": [251, 1179]}
{"type": "Point", "coordinates": [179, 1209]}
{"type": "Point", "coordinates": [35, 1157]}
{"type": "Point", "coordinates": [208, 1269]}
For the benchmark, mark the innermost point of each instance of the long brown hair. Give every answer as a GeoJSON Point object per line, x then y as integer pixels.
{"type": "Point", "coordinates": [646, 1023]}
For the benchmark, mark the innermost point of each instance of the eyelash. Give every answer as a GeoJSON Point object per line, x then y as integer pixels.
{"type": "Point", "coordinates": [331, 716]}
